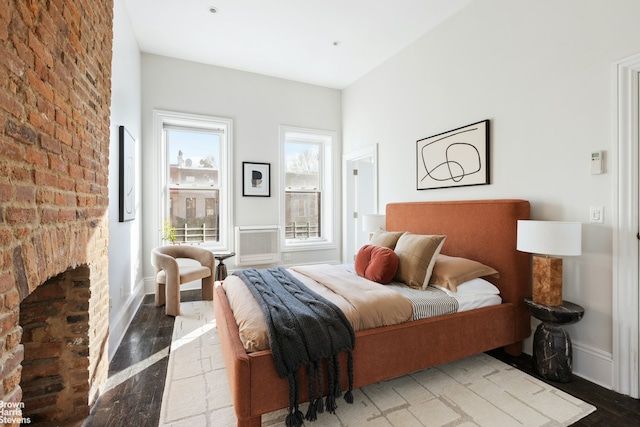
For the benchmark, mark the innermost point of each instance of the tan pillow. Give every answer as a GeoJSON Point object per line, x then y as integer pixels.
{"type": "Point", "coordinates": [388, 239]}
{"type": "Point", "coordinates": [416, 257]}
{"type": "Point", "coordinates": [450, 272]}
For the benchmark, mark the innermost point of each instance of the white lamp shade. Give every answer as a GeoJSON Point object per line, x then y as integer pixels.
{"type": "Point", "coordinates": [373, 222]}
{"type": "Point", "coordinates": [550, 237]}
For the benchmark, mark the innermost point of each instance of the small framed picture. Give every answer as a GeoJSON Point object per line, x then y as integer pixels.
{"type": "Point", "coordinates": [256, 179]}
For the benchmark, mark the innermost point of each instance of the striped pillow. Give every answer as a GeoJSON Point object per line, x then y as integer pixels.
{"type": "Point", "coordinates": [417, 255]}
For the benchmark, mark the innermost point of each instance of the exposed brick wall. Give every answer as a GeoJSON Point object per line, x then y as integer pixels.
{"type": "Point", "coordinates": [55, 91]}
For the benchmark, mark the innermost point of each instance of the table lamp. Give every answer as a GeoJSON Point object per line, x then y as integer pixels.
{"type": "Point", "coordinates": [373, 222]}
{"type": "Point", "coordinates": [547, 240]}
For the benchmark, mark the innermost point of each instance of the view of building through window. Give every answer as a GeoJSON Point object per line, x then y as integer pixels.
{"type": "Point", "coordinates": [194, 183]}
{"type": "Point", "coordinates": [303, 191]}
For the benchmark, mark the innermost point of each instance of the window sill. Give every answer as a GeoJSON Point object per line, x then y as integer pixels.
{"type": "Point", "coordinates": [308, 245]}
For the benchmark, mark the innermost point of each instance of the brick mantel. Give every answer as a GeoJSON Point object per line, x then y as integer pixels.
{"type": "Point", "coordinates": [55, 91]}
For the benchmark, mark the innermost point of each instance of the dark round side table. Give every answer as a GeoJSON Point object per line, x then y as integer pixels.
{"type": "Point", "coordinates": [221, 269]}
{"type": "Point", "coordinates": [552, 354]}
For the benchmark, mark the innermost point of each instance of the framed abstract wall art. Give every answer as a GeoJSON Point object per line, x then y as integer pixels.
{"type": "Point", "coordinates": [456, 158]}
{"type": "Point", "coordinates": [256, 179]}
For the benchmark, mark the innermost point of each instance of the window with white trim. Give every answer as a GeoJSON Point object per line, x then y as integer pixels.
{"type": "Point", "coordinates": [307, 176]}
{"type": "Point", "coordinates": [196, 175]}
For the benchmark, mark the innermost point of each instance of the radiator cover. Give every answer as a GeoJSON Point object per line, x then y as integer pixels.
{"type": "Point", "coordinates": [257, 245]}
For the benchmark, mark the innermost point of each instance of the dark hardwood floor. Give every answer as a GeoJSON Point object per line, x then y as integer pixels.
{"type": "Point", "coordinates": [136, 398]}
{"type": "Point", "coordinates": [139, 368]}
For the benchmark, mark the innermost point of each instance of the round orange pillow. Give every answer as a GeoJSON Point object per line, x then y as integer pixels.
{"type": "Point", "coordinates": [376, 263]}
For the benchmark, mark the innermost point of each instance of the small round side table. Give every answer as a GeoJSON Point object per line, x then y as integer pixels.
{"type": "Point", "coordinates": [552, 354]}
{"type": "Point", "coordinates": [221, 269]}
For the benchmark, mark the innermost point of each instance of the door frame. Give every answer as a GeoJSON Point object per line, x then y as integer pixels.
{"type": "Point", "coordinates": [361, 153]}
{"type": "Point", "coordinates": [626, 319]}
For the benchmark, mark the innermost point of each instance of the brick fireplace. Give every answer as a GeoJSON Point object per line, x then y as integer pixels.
{"type": "Point", "coordinates": [55, 91]}
{"type": "Point", "coordinates": [55, 325]}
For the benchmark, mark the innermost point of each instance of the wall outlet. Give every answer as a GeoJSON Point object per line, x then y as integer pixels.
{"type": "Point", "coordinates": [286, 257]}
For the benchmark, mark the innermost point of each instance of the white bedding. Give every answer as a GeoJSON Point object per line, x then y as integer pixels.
{"type": "Point", "coordinates": [465, 301]}
{"type": "Point", "coordinates": [473, 294]}
{"type": "Point", "coordinates": [469, 302]}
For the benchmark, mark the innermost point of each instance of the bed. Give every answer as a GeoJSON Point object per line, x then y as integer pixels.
{"type": "Point", "coordinates": [481, 230]}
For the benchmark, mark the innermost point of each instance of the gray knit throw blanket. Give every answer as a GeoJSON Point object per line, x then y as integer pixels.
{"type": "Point", "coordinates": [304, 328]}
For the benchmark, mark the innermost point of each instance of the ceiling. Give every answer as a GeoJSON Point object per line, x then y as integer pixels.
{"type": "Point", "coordinates": [329, 43]}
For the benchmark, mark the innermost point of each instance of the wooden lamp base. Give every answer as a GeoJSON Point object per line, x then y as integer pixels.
{"type": "Point", "coordinates": [547, 280]}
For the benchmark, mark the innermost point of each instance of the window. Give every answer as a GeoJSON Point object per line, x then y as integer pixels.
{"type": "Point", "coordinates": [210, 206]}
{"type": "Point", "coordinates": [190, 208]}
{"type": "Point", "coordinates": [196, 178]}
{"type": "Point", "coordinates": [307, 215]}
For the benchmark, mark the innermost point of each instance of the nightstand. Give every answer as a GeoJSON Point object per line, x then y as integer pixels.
{"type": "Point", "coordinates": [552, 354]}
{"type": "Point", "coordinates": [221, 269]}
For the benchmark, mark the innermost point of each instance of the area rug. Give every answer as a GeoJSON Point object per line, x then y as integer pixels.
{"type": "Point", "coordinates": [476, 391]}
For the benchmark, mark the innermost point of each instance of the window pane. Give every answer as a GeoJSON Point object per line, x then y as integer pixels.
{"type": "Point", "coordinates": [195, 214]}
{"type": "Point", "coordinates": [193, 158]}
{"type": "Point", "coordinates": [302, 165]}
{"type": "Point", "coordinates": [194, 180]}
{"type": "Point", "coordinates": [302, 216]}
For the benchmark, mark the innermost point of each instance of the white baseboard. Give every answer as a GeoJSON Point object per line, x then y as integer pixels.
{"type": "Point", "coordinates": [149, 286]}
{"type": "Point", "coordinates": [120, 320]}
{"type": "Point", "coordinates": [589, 363]}
{"type": "Point", "coordinates": [593, 364]}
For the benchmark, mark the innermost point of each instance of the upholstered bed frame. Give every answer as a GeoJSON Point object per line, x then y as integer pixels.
{"type": "Point", "coordinates": [482, 230]}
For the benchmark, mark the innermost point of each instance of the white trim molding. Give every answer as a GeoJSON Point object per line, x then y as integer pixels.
{"type": "Point", "coordinates": [125, 314]}
{"type": "Point", "coordinates": [361, 153]}
{"type": "Point", "coordinates": [329, 145]}
{"type": "Point", "coordinates": [626, 302]}
{"type": "Point", "coordinates": [160, 195]}
{"type": "Point", "coordinates": [592, 364]}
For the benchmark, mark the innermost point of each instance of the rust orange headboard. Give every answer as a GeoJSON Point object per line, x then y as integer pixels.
{"type": "Point", "coordinates": [482, 230]}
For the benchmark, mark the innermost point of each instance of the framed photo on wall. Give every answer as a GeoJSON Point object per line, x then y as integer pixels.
{"type": "Point", "coordinates": [457, 158]}
{"type": "Point", "coordinates": [127, 176]}
{"type": "Point", "coordinates": [256, 179]}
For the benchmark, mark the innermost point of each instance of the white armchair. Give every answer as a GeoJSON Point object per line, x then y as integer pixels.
{"type": "Point", "coordinates": [169, 275]}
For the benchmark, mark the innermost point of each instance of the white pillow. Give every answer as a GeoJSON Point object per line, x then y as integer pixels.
{"type": "Point", "coordinates": [473, 287]}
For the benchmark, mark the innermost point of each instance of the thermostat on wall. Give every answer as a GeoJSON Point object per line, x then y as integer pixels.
{"type": "Point", "coordinates": [596, 162]}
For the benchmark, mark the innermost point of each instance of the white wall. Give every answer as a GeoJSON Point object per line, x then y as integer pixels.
{"type": "Point", "coordinates": [258, 105]}
{"type": "Point", "coordinates": [125, 263]}
{"type": "Point", "coordinates": [542, 72]}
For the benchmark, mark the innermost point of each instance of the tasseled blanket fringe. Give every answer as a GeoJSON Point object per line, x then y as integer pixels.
{"type": "Point", "coordinates": [316, 404]}
{"type": "Point", "coordinates": [295, 418]}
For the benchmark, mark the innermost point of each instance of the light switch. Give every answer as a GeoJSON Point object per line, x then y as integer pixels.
{"type": "Point", "coordinates": [596, 214]}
